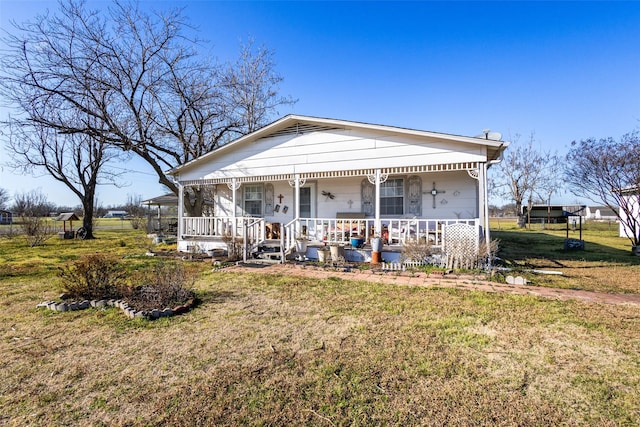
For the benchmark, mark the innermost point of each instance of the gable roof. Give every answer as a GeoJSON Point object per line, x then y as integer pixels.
{"type": "Point", "coordinates": [296, 124]}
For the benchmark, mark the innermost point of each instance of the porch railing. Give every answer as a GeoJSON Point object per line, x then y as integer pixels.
{"type": "Point", "coordinates": [251, 230]}
{"type": "Point", "coordinates": [394, 231]}
{"type": "Point", "coordinates": [223, 227]}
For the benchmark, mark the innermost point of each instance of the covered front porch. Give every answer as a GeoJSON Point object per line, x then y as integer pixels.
{"type": "Point", "coordinates": [333, 182]}
{"type": "Point", "coordinates": [278, 213]}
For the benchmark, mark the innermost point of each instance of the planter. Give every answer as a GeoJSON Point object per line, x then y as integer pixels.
{"type": "Point", "coordinates": [301, 246]}
{"type": "Point", "coordinates": [323, 255]}
{"type": "Point", "coordinates": [376, 244]}
{"type": "Point", "coordinates": [337, 252]}
{"type": "Point", "coordinates": [357, 242]}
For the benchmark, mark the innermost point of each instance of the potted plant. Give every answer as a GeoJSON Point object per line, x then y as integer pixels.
{"type": "Point", "coordinates": [337, 251]}
{"type": "Point", "coordinates": [376, 244]}
{"type": "Point", "coordinates": [301, 244]}
{"type": "Point", "coordinates": [323, 254]}
{"type": "Point", "coordinates": [357, 241]}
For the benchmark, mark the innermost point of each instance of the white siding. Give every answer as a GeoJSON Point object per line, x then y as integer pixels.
{"type": "Point", "coordinates": [459, 199]}
{"type": "Point", "coordinates": [331, 150]}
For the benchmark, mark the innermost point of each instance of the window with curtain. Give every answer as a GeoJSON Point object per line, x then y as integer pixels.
{"type": "Point", "coordinates": [253, 198]}
{"type": "Point", "coordinates": [392, 197]}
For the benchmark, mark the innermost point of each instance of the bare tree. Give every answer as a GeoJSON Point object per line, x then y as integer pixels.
{"type": "Point", "coordinates": [4, 198]}
{"type": "Point", "coordinates": [607, 172]}
{"type": "Point", "coordinates": [140, 80]}
{"type": "Point", "coordinates": [250, 86]}
{"type": "Point", "coordinates": [33, 210]}
{"type": "Point", "coordinates": [135, 211]}
{"type": "Point", "coordinates": [526, 174]}
{"type": "Point", "coordinates": [76, 160]}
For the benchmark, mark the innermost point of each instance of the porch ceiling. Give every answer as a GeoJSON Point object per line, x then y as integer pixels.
{"type": "Point", "coordinates": [447, 167]}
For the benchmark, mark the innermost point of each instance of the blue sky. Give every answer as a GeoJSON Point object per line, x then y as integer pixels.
{"type": "Point", "coordinates": [565, 71]}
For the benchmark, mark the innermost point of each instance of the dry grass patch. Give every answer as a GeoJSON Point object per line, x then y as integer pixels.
{"type": "Point", "coordinates": [263, 349]}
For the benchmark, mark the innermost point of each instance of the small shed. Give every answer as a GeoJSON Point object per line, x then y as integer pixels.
{"type": "Point", "coordinates": [64, 217]}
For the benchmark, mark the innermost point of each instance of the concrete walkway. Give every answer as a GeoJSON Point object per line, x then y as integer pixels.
{"type": "Point", "coordinates": [447, 281]}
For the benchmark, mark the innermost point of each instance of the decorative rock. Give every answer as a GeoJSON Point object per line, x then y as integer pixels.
{"type": "Point", "coordinates": [61, 306]}
{"type": "Point", "coordinates": [84, 305]}
{"type": "Point", "coordinates": [519, 281]}
{"type": "Point", "coordinates": [64, 296]}
{"type": "Point", "coordinates": [111, 303]}
{"type": "Point", "coordinates": [44, 304]}
{"type": "Point", "coordinates": [167, 312]}
{"type": "Point", "coordinates": [155, 313]}
{"type": "Point", "coordinates": [510, 280]}
{"type": "Point", "coordinates": [52, 305]}
{"type": "Point", "coordinates": [139, 314]}
{"type": "Point", "coordinates": [73, 306]}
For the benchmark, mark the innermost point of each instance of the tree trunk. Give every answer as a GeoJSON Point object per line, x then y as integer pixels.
{"type": "Point", "coordinates": [193, 200]}
{"type": "Point", "coordinates": [522, 220]}
{"type": "Point", "coordinates": [87, 219]}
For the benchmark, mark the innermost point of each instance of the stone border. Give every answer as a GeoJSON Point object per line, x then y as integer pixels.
{"type": "Point", "coordinates": [128, 310]}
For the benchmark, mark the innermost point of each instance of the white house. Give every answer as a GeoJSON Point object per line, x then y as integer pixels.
{"type": "Point", "coordinates": [327, 180]}
{"type": "Point", "coordinates": [600, 213]}
{"type": "Point", "coordinates": [630, 224]}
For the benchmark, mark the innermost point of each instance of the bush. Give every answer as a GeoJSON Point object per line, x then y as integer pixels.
{"type": "Point", "coordinates": [95, 276]}
{"type": "Point", "coordinates": [416, 251]}
{"type": "Point", "coordinates": [99, 276]}
{"type": "Point", "coordinates": [167, 285]}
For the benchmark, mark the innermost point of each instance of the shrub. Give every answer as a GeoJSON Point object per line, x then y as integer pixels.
{"type": "Point", "coordinates": [95, 276]}
{"type": "Point", "coordinates": [416, 251]}
{"type": "Point", "coordinates": [166, 285]}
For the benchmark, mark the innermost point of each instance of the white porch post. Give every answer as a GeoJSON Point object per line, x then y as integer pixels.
{"type": "Point", "coordinates": [180, 210]}
{"type": "Point", "coordinates": [234, 187]}
{"type": "Point", "coordinates": [483, 211]}
{"type": "Point", "coordinates": [297, 196]}
{"type": "Point", "coordinates": [377, 223]}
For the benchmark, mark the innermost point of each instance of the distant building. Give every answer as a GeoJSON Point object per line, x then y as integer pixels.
{"type": "Point", "coordinates": [553, 214]}
{"type": "Point", "coordinates": [6, 217]}
{"type": "Point", "coordinates": [600, 213]}
{"type": "Point", "coordinates": [115, 214]}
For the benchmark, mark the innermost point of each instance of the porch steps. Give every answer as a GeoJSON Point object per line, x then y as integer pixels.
{"type": "Point", "coordinates": [267, 251]}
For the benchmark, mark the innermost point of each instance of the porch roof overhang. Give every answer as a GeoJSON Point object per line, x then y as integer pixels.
{"type": "Point", "coordinates": [447, 167]}
{"type": "Point", "coordinates": [169, 199]}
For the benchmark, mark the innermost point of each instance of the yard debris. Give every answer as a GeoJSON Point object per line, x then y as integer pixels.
{"type": "Point", "coordinates": [518, 280]}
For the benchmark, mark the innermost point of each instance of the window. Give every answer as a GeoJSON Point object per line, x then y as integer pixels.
{"type": "Point", "coordinates": [253, 196]}
{"type": "Point", "coordinates": [392, 197]}
{"type": "Point", "coordinates": [305, 202]}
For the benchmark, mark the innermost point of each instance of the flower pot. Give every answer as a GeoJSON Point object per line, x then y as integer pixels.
{"type": "Point", "coordinates": [376, 244]}
{"type": "Point", "coordinates": [301, 246]}
{"type": "Point", "coordinates": [337, 252]}
{"type": "Point", "coordinates": [357, 242]}
{"type": "Point", "coordinates": [323, 255]}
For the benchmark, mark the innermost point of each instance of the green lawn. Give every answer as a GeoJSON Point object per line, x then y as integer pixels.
{"type": "Point", "coordinates": [606, 264]}
{"type": "Point", "coordinates": [276, 350]}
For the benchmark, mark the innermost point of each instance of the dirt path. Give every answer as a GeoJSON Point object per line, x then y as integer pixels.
{"type": "Point", "coordinates": [449, 281]}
